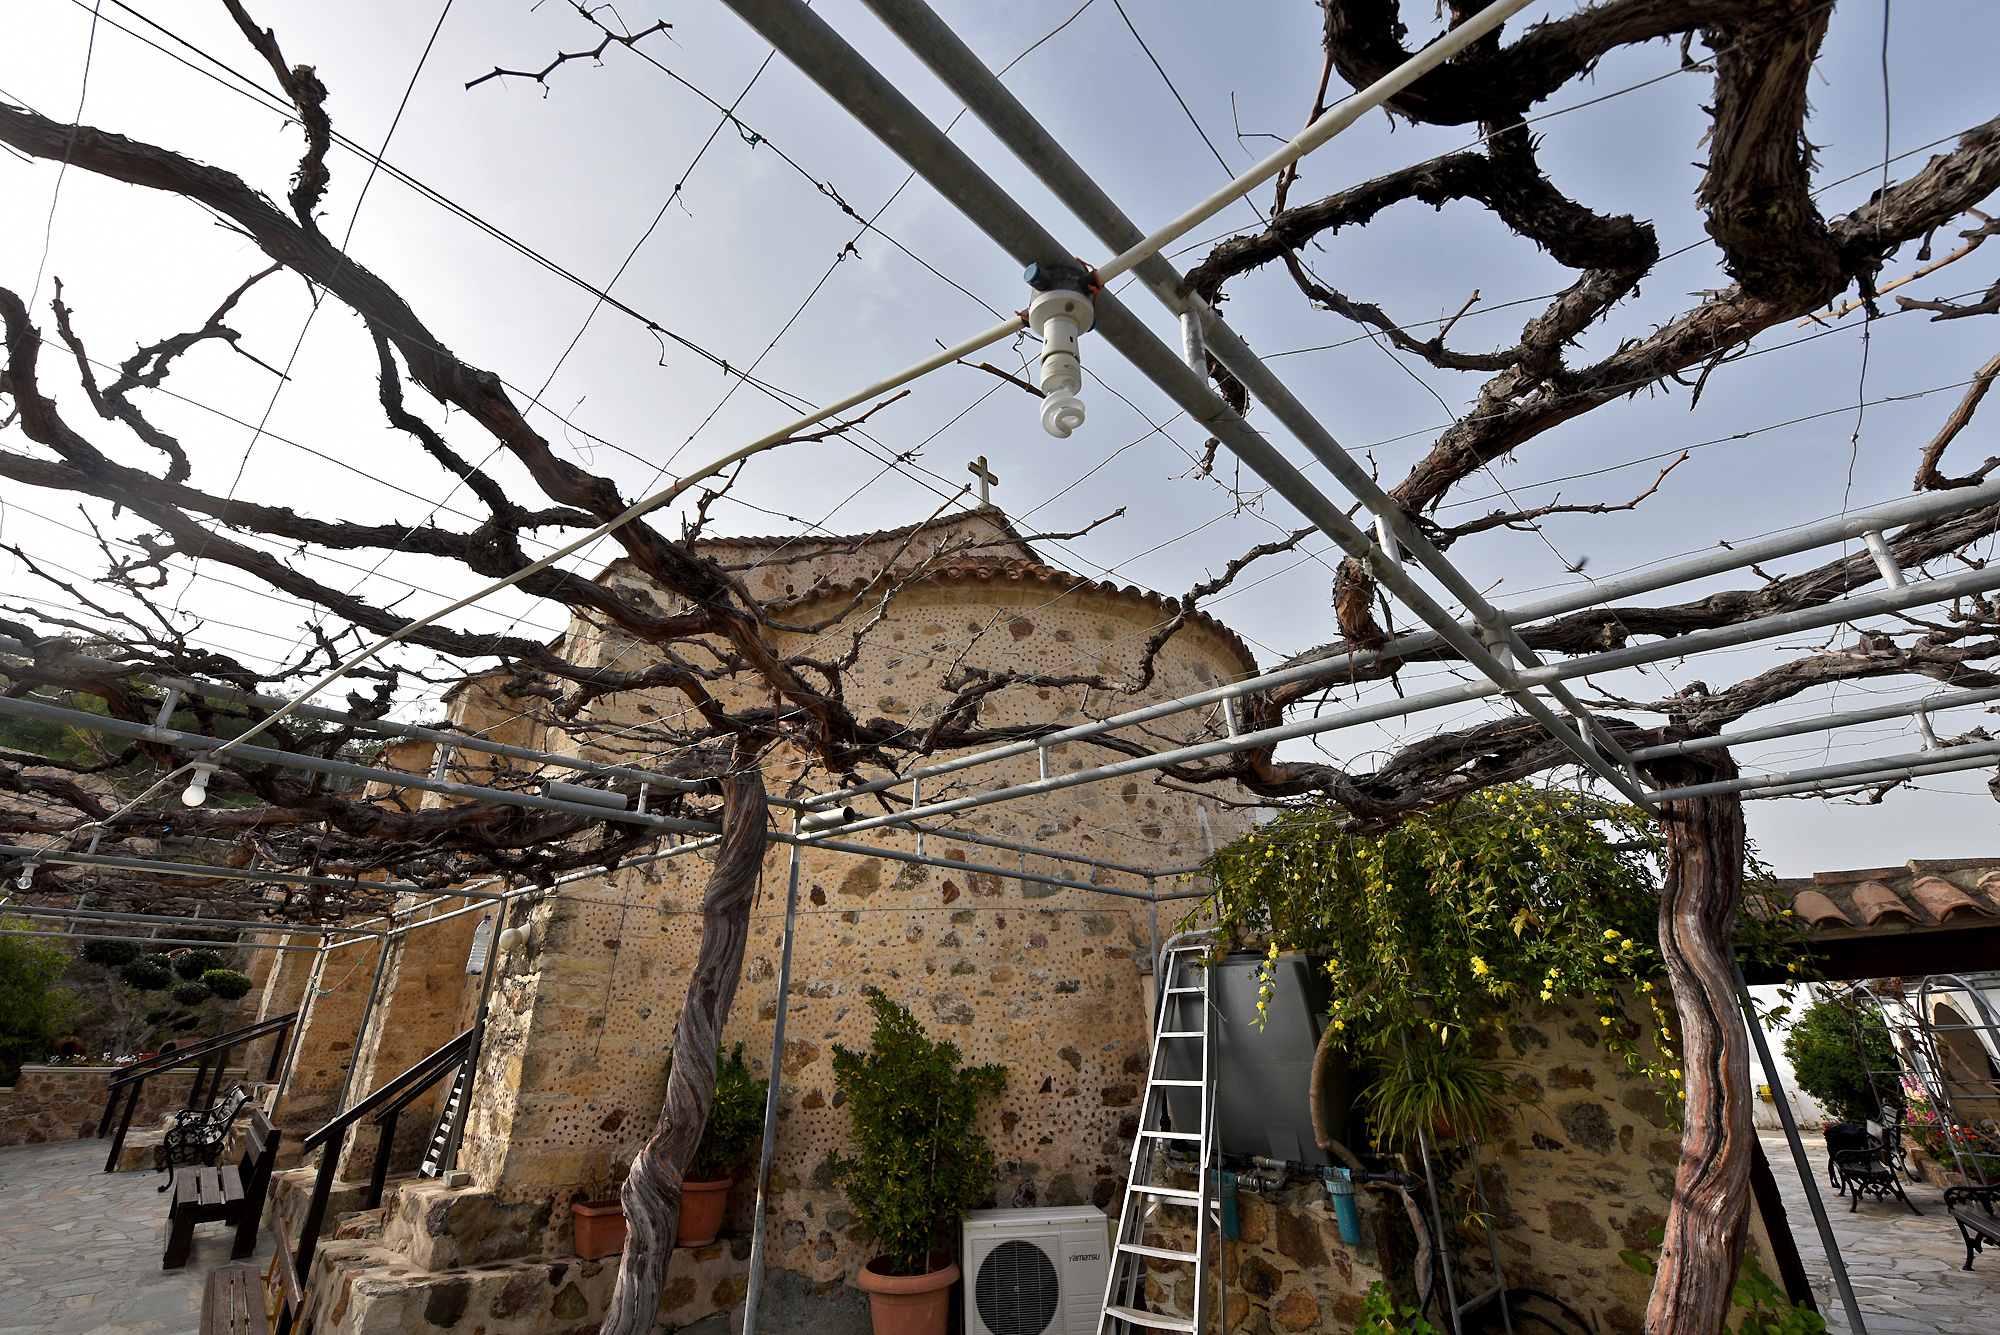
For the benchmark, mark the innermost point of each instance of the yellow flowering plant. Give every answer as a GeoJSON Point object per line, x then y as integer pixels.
{"type": "Point", "coordinates": [1434, 931]}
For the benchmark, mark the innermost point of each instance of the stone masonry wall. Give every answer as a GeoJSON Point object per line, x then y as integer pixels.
{"type": "Point", "coordinates": [65, 1102]}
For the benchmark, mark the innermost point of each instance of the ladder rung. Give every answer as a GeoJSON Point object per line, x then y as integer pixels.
{"type": "Point", "coordinates": [1172, 1135]}
{"type": "Point", "coordinates": [1180, 1033]}
{"type": "Point", "coordinates": [1152, 1320]}
{"type": "Point", "coordinates": [1198, 991]}
{"type": "Point", "coordinates": [1189, 1084]}
{"type": "Point", "coordinates": [1157, 1253]}
{"type": "Point", "coordinates": [1172, 1193]}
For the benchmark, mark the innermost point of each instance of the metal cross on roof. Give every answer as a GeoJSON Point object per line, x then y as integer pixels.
{"type": "Point", "coordinates": [987, 478]}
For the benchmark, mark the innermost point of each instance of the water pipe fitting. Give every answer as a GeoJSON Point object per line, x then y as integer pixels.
{"type": "Point", "coordinates": [1340, 1188]}
{"type": "Point", "coordinates": [1064, 306]}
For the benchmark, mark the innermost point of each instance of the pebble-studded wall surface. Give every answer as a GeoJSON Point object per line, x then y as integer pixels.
{"type": "Point", "coordinates": [1048, 980]}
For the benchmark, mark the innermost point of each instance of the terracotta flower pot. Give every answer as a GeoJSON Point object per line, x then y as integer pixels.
{"type": "Point", "coordinates": [909, 1304]}
{"type": "Point", "coordinates": [702, 1207]}
{"type": "Point", "coordinates": [600, 1228]}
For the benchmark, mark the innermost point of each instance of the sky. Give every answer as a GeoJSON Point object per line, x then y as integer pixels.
{"type": "Point", "coordinates": [738, 233]}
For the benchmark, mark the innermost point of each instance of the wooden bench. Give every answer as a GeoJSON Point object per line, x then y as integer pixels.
{"type": "Point", "coordinates": [232, 1302]}
{"type": "Point", "coordinates": [231, 1195]}
{"type": "Point", "coordinates": [1977, 1213]}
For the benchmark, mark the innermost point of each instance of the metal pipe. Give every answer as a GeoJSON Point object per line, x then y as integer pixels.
{"type": "Point", "coordinates": [811, 44]}
{"type": "Point", "coordinates": [206, 871]}
{"type": "Point", "coordinates": [345, 768]}
{"type": "Point", "coordinates": [1873, 777]}
{"type": "Point", "coordinates": [148, 940]}
{"type": "Point", "coordinates": [107, 915]}
{"type": "Point", "coordinates": [770, 1140]}
{"type": "Point", "coordinates": [1799, 1161]}
{"type": "Point", "coordinates": [360, 1034]}
{"type": "Point", "coordinates": [1735, 556]}
{"type": "Point", "coordinates": [1972, 752]}
{"type": "Point", "coordinates": [1785, 623]}
{"type": "Point", "coordinates": [986, 97]}
{"type": "Point", "coordinates": [1822, 723]}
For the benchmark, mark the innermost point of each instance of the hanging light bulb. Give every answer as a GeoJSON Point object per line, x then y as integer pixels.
{"type": "Point", "coordinates": [511, 938]}
{"type": "Point", "coordinates": [197, 789]}
{"type": "Point", "coordinates": [26, 880]}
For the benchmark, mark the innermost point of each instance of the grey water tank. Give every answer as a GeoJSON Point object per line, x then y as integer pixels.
{"type": "Point", "coordinates": [1262, 1077]}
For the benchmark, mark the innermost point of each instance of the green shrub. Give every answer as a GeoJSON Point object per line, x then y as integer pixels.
{"type": "Point", "coordinates": [146, 975]}
{"type": "Point", "coordinates": [188, 994]}
{"type": "Point", "coordinates": [226, 983]}
{"type": "Point", "coordinates": [1826, 1055]}
{"type": "Point", "coordinates": [920, 1162]}
{"type": "Point", "coordinates": [33, 1009]}
{"type": "Point", "coordinates": [735, 1120]}
{"type": "Point", "coordinates": [192, 964]}
{"type": "Point", "coordinates": [111, 954]}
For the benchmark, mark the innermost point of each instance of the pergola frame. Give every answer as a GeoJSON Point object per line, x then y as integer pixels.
{"type": "Point", "coordinates": [1485, 638]}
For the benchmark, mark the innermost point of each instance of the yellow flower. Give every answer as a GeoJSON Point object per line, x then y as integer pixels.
{"type": "Point", "coordinates": [1604, 1020]}
{"type": "Point", "coordinates": [1611, 934]}
{"type": "Point", "coordinates": [1548, 996]}
{"type": "Point", "coordinates": [1479, 967]}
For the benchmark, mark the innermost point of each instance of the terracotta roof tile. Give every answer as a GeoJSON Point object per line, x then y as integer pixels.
{"type": "Point", "coordinates": [1819, 911]}
{"type": "Point", "coordinates": [1944, 899]}
{"type": "Point", "coordinates": [1875, 901]}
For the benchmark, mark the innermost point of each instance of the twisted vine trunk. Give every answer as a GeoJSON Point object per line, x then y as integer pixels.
{"type": "Point", "coordinates": [1708, 1221]}
{"type": "Point", "coordinates": [652, 1192]}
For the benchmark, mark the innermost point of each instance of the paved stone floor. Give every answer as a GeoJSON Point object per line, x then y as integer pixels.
{"type": "Point", "coordinates": [1904, 1267]}
{"type": "Point", "coordinates": [80, 1248]}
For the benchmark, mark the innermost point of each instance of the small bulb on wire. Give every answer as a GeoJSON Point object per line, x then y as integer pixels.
{"type": "Point", "coordinates": [26, 880]}
{"type": "Point", "coordinates": [197, 789]}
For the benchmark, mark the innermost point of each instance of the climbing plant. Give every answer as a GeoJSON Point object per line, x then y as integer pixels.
{"type": "Point", "coordinates": [1434, 931]}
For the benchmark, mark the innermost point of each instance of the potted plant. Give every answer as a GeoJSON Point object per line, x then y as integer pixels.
{"type": "Point", "coordinates": [1439, 1085]}
{"type": "Point", "coordinates": [735, 1121]}
{"type": "Point", "coordinates": [919, 1164]}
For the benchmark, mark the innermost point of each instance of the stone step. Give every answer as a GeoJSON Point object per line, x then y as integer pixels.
{"type": "Point", "coordinates": [140, 1152]}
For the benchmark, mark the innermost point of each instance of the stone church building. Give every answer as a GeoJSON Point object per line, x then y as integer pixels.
{"type": "Point", "coordinates": [1048, 980]}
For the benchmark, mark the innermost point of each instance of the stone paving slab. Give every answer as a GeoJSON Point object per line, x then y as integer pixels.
{"type": "Point", "coordinates": [80, 1248]}
{"type": "Point", "coordinates": [1905, 1268]}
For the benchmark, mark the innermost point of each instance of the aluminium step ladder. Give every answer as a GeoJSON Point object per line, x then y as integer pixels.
{"type": "Point", "coordinates": [1182, 1060]}
{"type": "Point", "coordinates": [434, 1163]}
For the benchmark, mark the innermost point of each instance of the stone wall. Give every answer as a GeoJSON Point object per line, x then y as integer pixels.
{"type": "Point", "coordinates": [65, 1102]}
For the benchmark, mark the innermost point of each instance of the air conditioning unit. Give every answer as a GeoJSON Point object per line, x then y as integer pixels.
{"type": "Point", "coordinates": [1036, 1270]}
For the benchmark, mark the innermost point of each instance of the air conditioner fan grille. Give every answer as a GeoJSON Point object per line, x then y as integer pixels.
{"type": "Point", "coordinates": [1017, 1290]}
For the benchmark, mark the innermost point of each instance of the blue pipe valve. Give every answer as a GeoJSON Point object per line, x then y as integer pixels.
{"type": "Point", "coordinates": [1340, 1186]}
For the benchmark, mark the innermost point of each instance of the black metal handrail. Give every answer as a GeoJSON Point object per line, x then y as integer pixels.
{"type": "Point", "coordinates": [131, 1082]}
{"type": "Point", "coordinates": [384, 1105]}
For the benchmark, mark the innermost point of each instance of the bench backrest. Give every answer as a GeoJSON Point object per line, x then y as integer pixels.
{"type": "Point", "coordinates": [260, 1153]}
{"type": "Point", "coordinates": [232, 1104]}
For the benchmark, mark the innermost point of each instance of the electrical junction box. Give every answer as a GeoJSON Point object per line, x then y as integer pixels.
{"type": "Point", "coordinates": [1035, 1271]}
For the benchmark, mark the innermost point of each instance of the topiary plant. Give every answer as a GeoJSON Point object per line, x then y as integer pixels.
{"type": "Point", "coordinates": [146, 974]}
{"type": "Point", "coordinates": [920, 1162]}
{"type": "Point", "coordinates": [111, 954]}
{"type": "Point", "coordinates": [188, 994]}
{"type": "Point", "coordinates": [192, 964]}
{"type": "Point", "coordinates": [735, 1119]}
{"type": "Point", "coordinates": [226, 983]}
{"type": "Point", "coordinates": [1825, 1050]}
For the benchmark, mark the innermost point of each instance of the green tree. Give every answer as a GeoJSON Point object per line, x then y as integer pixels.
{"type": "Point", "coordinates": [33, 1009]}
{"type": "Point", "coordinates": [1825, 1045]}
{"type": "Point", "coordinates": [920, 1160]}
